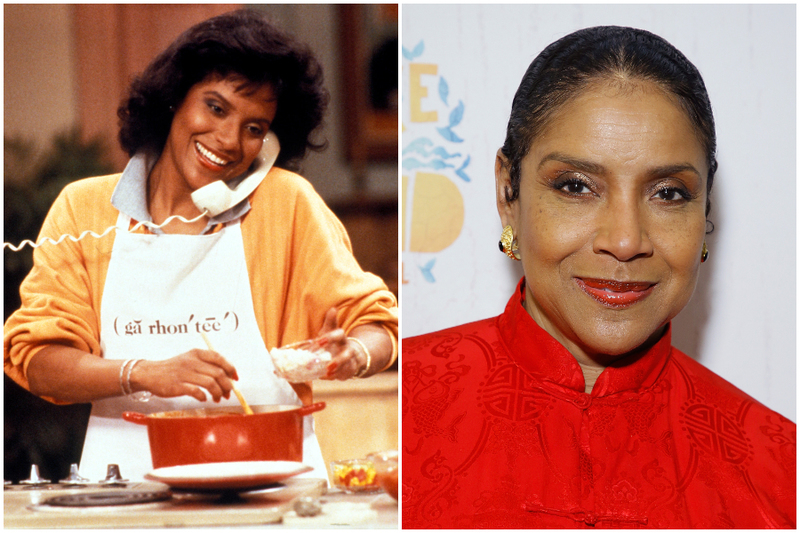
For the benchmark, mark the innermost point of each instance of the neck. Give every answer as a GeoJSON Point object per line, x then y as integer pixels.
{"type": "Point", "coordinates": [165, 198]}
{"type": "Point", "coordinates": [590, 374]}
{"type": "Point", "coordinates": [592, 364]}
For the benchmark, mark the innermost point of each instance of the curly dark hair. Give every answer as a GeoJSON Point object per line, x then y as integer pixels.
{"type": "Point", "coordinates": [240, 43]}
{"type": "Point", "coordinates": [573, 62]}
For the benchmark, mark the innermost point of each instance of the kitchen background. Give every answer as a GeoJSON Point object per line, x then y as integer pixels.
{"type": "Point", "coordinates": [66, 67]}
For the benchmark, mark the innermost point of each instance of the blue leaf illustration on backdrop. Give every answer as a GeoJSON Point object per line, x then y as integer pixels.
{"type": "Point", "coordinates": [444, 90]}
{"type": "Point", "coordinates": [424, 150]}
{"type": "Point", "coordinates": [457, 114]}
{"type": "Point", "coordinates": [411, 163]}
{"type": "Point", "coordinates": [415, 53]}
{"type": "Point", "coordinates": [420, 146]}
{"type": "Point", "coordinates": [426, 271]}
{"type": "Point", "coordinates": [460, 172]}
{"type": "Point", "coordinates": [449, 135]}
{"type": "Point", "coordinates": [441, 152]}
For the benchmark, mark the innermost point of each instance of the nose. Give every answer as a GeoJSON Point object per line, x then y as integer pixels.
{"type": "Point", "coordinates": [228, 135]}
{"type": "Point", "coordinates": [622, 231]}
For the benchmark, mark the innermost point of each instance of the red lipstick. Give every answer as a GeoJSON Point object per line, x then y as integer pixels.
{"type": "Point", "coordinates": [615, 294]}
{"type": "Point", "coordinates": [208, 158]}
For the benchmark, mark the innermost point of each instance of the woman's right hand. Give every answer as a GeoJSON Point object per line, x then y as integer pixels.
{"type": "Point", "coordinates": [186, 375]}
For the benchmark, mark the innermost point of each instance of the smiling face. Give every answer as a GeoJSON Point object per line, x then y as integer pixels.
{"type": "Point", "coordinates": [217, 131]}
{"type": "Point", "coordinates": [610, 219]}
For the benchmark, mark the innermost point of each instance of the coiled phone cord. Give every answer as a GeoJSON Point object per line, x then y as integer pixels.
{"type": "Point", "coordinates": [48, 240]}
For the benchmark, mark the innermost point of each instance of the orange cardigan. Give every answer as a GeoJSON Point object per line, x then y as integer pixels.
{"type": "Point", "coordinates": [299, 261]}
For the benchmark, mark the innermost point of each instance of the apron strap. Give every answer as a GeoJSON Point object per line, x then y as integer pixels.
{"type": "Point", "coordinates": [123, 221]}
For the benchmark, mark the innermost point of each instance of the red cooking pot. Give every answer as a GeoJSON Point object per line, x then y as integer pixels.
{"type": "Point", "coordinates": [224, 434]}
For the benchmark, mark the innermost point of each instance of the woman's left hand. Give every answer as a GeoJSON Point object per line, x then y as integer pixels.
{"type": "Point", "coordinates": [348, 359]}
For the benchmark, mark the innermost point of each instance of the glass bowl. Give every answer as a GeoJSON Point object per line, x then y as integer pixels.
{"type": "Point", "coordinates": [301, 362]}
{"type": "Point", "coordinates": [355, 475]}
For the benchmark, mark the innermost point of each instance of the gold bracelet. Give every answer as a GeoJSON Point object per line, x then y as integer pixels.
{"type": "Point", "coordinates": [360, 373]}
{"type": "Point", "coordinates": [395, 353]}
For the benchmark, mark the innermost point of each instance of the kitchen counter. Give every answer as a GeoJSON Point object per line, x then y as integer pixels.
{"type": "Point", "coordinates": [342, 510]}
{"type": "Point", "coordinates": [25, 508]}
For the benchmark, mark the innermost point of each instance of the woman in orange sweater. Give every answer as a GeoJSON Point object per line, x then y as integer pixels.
{"type": "Point", "coordinates": [116, 320]}
{"type": "Point", "coordinates": [572, 409]}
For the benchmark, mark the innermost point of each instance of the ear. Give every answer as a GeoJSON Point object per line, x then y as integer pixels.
{"type": "Point", "coordinates": [502, 181]}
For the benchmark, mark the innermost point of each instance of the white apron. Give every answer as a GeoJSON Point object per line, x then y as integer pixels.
{"type": "Point", "coordinates": [160, 291]}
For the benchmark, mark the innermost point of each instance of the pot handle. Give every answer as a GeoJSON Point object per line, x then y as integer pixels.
{"type": "Point", "coordinates": [136, 418]}
{"type": "Point", "coordinates": [313, 408]}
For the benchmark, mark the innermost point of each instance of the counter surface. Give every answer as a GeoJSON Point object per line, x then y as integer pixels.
{"type": "Point", "coordinates": [25, 508]}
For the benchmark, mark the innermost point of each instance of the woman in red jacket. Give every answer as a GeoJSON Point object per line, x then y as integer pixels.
{"type": "Point", "coordinates": [572, 409]}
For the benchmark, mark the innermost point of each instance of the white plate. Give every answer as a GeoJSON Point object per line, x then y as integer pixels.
{"type": "Point", "coordinates": [225, 476]}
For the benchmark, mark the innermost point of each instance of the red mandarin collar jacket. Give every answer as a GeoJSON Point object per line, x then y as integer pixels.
{"type": "Point", "coordinates": [498, 433]}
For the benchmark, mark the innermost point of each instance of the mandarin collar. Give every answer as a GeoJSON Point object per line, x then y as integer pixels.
{"type": "Point", "coordinates": [541, 355]}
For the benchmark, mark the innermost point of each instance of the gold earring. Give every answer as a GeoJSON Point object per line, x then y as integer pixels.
{"type": "Point", "coordinates": [508, 243]}
{"type": "Point", "coordinates": [704, 253]}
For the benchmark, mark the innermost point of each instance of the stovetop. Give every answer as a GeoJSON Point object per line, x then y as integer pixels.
{"type": "Point", "coordinates": [149, 504]}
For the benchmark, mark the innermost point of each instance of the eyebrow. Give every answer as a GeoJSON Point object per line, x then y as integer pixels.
{"type": "Point", "coordinates": [225, 101]}
{"type": "Point", "coordinates": [580, 164]}
{"type": "Point", "coordinates": [215, 94]}
{"type": "Point", "coordinates": [595, 168]}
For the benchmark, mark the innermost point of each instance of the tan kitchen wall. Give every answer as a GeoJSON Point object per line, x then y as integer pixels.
{"type": "Point", "coordinates": [360, 416]}
{"type": "Point", "coordinates": [40, 96]}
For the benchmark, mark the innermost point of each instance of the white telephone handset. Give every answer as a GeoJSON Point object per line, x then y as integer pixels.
{"type": "Point", "coordinates": [213, 199]}
{"type": "Point", "coordinates": [217, 197]}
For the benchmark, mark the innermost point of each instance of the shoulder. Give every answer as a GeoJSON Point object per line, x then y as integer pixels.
{"type": "Point", "coordinates": [470, 337]}
{"type": "Point", "coordinates": [729, 428]}
{"type": "Point", "coordinates": [765, 437]}
{"type": "Point", "coordinates": [702, 381]}
{"type": "Point", "coordinates": [72, 202]}
{"type": "Point", "coordinates": [705, 387]}
{"type": "Point", "coordinates": [284, 186]}
{"type": "Point", "coordinates": [284, 196]}
{"type": "Point", "coordinates": [92, 188]}
{"type": "Point", "coordinates": [288, 205]}
{"type": "Point", "coordinates": [451, 363]}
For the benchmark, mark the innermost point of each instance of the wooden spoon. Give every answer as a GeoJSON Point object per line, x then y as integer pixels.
{"type": "Point", "coordinates": [238, 394]}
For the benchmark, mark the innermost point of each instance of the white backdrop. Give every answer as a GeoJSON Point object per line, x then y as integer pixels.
{"type": "Point", "coordinates": [461, 67]}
